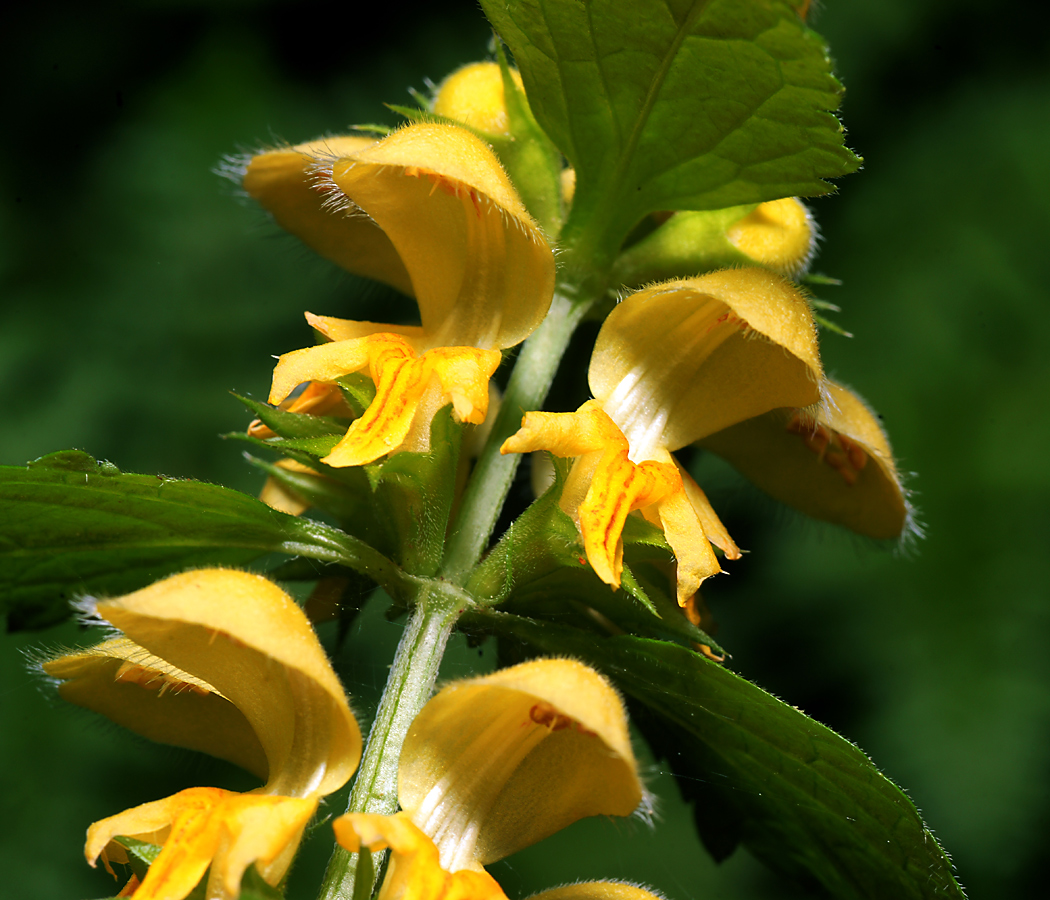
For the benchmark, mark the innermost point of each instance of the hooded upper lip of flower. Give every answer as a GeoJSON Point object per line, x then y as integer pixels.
{"type": "Point", "coordinates": [225, 662]}
{"type": "Point", "coordinates": [833, 463]}
{"type": "Point", "coordinates": [674, 363]}
{"type": "Point", "coordinates": [430, 211]}
{"type": "Point", "coordinates": [494, 764]}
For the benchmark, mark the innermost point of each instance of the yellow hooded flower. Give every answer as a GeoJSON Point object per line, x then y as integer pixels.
{"type": "Point", "coordinates": [673, 364]}
{"type": "Point", "coordinates": [224, 662]}
{"type": "Point", "coordinates": [492, 765]}
{"type": "Point", "coordinates": [430, 211]}
{"type": "Point", "coordinates": [834, 463]}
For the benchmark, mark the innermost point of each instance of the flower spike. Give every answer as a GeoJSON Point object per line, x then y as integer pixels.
{"type": "Point", "coordinates": [225, 662]}
{"type": "Point", "coordinates": [476, 262]}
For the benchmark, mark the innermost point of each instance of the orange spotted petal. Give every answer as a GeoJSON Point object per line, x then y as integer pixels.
{"type": "Point", "coordinates": [834, 464]}
{"type": "Point", "coordinates": [203, 827]}
{"type": "Point", "coordinates": [619, 487]}
{"type": "Point", "coordinates": [457, 375]}
{"type": "Point", "coordinates": [496, 763]}
{"type": "Point", "coordinates": [605, 486]}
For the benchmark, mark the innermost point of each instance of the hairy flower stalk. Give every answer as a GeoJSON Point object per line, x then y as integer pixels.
{"type": "Point", "coordinates": [409, 686]}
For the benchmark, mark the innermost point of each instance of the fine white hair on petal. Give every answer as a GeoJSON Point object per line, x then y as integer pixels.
{"type": "Point", "coordinates": [234, 166]}
{"type": "Point", "coordinates": [85, 608]}
{"type": "Point", "coordinates": [619, 881]}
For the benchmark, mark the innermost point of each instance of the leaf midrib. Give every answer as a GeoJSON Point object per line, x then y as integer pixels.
{"type": "Point", "coordinates": [655, 86]}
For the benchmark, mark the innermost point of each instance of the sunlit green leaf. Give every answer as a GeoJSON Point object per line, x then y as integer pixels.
{"type": "Point", "coordinates": [677, 104]}
{"type": "Point", "coordinates": [70, 525]}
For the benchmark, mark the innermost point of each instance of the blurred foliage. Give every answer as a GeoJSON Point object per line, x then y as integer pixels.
{"type": "Point", "coordinates": [136, 291]}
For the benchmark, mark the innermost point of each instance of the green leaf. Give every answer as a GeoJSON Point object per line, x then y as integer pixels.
{"type": "Point", "coordinates": [350, 504]}
{"type": "Point", "coordinates": [141, 856]}
{"type": "Point", "coordinates": [253, 887]}
{"type": "Point", "coordinates": [676, 104]}
{"type": "Point", "coordinates": [294, 425]}
{"type": "Point", "coordinates": [70, 525]}
{"type": "Point", "coordinates": [414, 493]}
{"type": "Point", "coordinates": [800, 797]}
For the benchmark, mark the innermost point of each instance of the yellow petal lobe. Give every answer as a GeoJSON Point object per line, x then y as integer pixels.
{"type": "Point", "coordinates": [683, 359]}
{"type": "Point", "coordinates": [246, 637]}
{"type": "Point", "coordinates": [280, 496]}
{"type": "Point", "coordinates": [779, 234]}
{"type": "Point", "coordinates": [605, 486]}
{"type": "Point", "coordinates": [148, 695]}
{"type": "Point", "coordinates": [473, 95]}
{"type": "Point", "coordinates": [695, 561]}
{"type": "Point", "coordinates": [496, 763]}
{"type": "Point", "coordinates": [481, 270]}
{"type": "Point", "coordinates": [834, 464]}
{"type": "Point", "coordinates": [457, 375]}
{"type": "Point", "coordinates": [207, 826]}
{"type": "Point", "coordinates": [414, 871]}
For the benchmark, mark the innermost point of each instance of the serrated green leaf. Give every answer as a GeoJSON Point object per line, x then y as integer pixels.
{"type": "Point", "coordinates": [803, 798]}
{"type": "Point", "coordinates": [70, 525]}
{"type": "Point", "coordinates": [676, 104]}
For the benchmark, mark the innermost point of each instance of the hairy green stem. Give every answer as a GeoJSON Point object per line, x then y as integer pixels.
{"type": "Point", "coordinates": [490, 481]}
{"type": "Point", "coordinates": [411, 682]}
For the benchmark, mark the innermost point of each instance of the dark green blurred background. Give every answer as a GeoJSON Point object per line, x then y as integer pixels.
{"type": "Point", "coordinates": [136, 290]}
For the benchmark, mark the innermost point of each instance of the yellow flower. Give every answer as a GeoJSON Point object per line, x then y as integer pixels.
{"type": "Point", "coordinates": [834, 463]}
{"type": "Point", "coordinates": [779, 234]}
{"type": "Point", "coordinates": [474, 96]}
{"type": "Point", "coordinates": [492, 765]}
{"type": "Point", "coordinates": [430, 211]}
{"type": "Point", "coordinates": [224, 662]}
{"type": "Point", "coordinates": [673, 364]}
